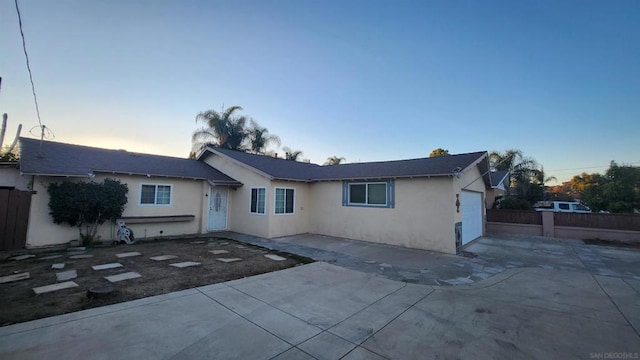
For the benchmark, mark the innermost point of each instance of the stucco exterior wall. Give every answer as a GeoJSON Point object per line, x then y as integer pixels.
{"type": "Point", "coordinates": [290, 224]}
{"type": "Point", "coordinates": [187, 198]}
{"type": "Point", "coordinates": [240, 219]}
{"type": "Point", "coordinates": [470, 180]}
{"type": "Point", "coordinates": [10, 177]}
{"type": "Point", "coordinates": [422, 218]}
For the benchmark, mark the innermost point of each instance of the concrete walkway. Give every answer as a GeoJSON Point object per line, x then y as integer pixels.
{"type": "Point", "coordinates": [324, 311]}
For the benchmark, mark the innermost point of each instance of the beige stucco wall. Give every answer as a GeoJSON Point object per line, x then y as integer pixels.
{"type": "Point", "coordinates": [187, 198]}
{"type": "Point", "coordinates": [422, 217]}
{"type": "Point", "coordinates": [240, 219]}
{"type": "Point", "coordinates": [10, 177]}
{"type": "Point", "coordinates": [470, 180]}
{"type": "Point", "coordinates": [289, 224]}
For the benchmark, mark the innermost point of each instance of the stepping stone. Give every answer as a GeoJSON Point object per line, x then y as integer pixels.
{"type": "Point", "coordinates": [128, 254]}
{"type": "Point", "coordinates": [58, 266]}
{"type": "Point", "coordinates": [22, 257]}
{"type": "Point", "coordinates": [196, 242]}
{"type": "Point", "coordinates": [218, 252]}
{"type": "Point", "coordinates": [106, 266]}
{"type": "Point", "coordinates": [185, 264]}
{"type": "Point", "coordinates": [228, 260]}
{"type": "Point", "coordinates": [50, 257]}
{"type": "Point", "coordinates": [223, 243]}
{"type": "Point", "coordinates": [54, 287]}
{"type": "Point", "coordinates": [163, 257]}
{"type": "Point", "coordinates": [77, 248]}
{"type": "Point", "coordinates": [80, 256]}
{"type": "Point", "coordinates": [275, 257]}
{"type": "Point", "coordinates": [66, 275]}
{"type": "Point", "coordinates": [241, 246]}
{"type": "Point", "coordinates": [123, 276]}
{"type": "Point", "coordinates": [14, 277]}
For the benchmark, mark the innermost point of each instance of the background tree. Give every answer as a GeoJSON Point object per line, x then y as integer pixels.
{"type": "Point", "coordinates": [259, 138]}
{"type": "Point", "coordinates": [290, 154]}
{"type": "Point", "coordinates": [622, 188]}
{"type": "Point", "coordinates": [86, 205]}
{"type": "Point", "coordinates": [334, 160]}
{"type": "Point", "coordinates": [224, 129]}
{"type": "Point", "coordinates": [439, 152]}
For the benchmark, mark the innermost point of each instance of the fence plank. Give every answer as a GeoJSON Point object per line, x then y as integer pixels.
{"type": "Point", "coordinates": [514, 216]}
{"type": "Point", "coordinates": [599, 221]}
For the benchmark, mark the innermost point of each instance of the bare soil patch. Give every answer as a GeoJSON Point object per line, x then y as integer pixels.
{"type": "Point", "coordinates": [19, 303]}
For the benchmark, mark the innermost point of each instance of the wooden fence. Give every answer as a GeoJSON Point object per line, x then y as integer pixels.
{"type": "Point", "coordinates": [623, 227]}
{"type": "Point", "coordinates": [14, 218]}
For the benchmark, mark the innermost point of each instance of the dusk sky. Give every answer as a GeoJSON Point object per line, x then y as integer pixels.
{"type": "Point", "coordinates": [362, 79]}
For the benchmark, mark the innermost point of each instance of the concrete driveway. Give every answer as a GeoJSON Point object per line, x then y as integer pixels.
{"type": "Point", "coordinates": [540, 299]}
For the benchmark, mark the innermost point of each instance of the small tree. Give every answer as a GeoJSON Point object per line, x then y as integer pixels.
{"type": "Point", "coordinates": [86, 205]}
{"type": "Point", "coordinates": [439, 152]}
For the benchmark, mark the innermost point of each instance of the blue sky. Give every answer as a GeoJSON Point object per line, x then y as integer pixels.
{"type": "Point", "coordinates": [362, 79]}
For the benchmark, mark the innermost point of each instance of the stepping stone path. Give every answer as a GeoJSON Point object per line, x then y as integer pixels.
{"type": "Point", "coordinates": [66, 275]}
{"type": "Point", "coordinates": [14, 277]}
{"type": "Point", "coordinates": [275, 257]}
{"type": "Point", "coordinates": [54, 287]}
{"type": "Point", "coordinates": [87, 256]}
{"type": "Point", "coordinates": [163, 257]}
{"type": "Point", "coordinates": [218, 252]}
{"type": "Point", "coordinates": [106, 266]}
{"type": "Point", "coordinates": [228, 260]}
{"type": "Point", "coordinates": [50, 257]}
{"type": "Point", "coordinates": [185, 264]}
{"type": "Point", "coordinates": [218, 243]}
{"type": "Point", "coordinates": [196, 242]}
{"type": "Point", "coordinates": [58, 266]}
{"type": "Point", "coordinates": [128, 254]}
{"type": "Point", "coordinates": [22, 257]}
{"type": "Point", "coordinates": [241, 246]}
{"type": "Point", "coordinates": [123, 276]}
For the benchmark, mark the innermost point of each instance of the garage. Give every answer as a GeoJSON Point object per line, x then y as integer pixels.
{"type": "Point", "coordinates": [471, 216]}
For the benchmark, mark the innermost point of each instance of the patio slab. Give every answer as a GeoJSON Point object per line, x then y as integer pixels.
{"type": "Point", "coordinates": [185, 264]}
{"type": "Point", "coordinates": [106, 266]}
{"type": "Point", "coordinates": [54, 287]}
{"type": "Point", "coordinates": [66, 275]}
{"type": "Point", "coordinates": [123, 276]}
{"type": "Point", "coordinates": [14, 277]}
{"type": "Point", "coordinates": [228, 260]}
{"type": "Point", "coordinates": [218, 252]}
{"type": "Point", "coordinates": [128, 254]}
{"type": "Point", "coordinates": [163, 257]}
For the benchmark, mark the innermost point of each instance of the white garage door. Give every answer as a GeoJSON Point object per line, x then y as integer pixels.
{"type": "Point", "coordinates": [471, 216]}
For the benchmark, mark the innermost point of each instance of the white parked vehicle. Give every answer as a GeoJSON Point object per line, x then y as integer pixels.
{"type": "Point", "coordinates": [561, 206]}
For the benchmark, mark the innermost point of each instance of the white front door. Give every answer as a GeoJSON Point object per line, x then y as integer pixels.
{"type": "Point", "coordinates": [218, 208]}
{"type": "Point", "coordinates": [471, 216]}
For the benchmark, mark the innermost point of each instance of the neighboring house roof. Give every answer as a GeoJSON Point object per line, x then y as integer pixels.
{"type": "Point", "coordinates": [499, 179]}
{"type": "Point", "coordinates": [276, 168]}
{"type": "Point", "coordinates": [60, 159]}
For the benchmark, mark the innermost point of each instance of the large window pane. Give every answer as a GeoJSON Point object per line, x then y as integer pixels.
{"type": "Point", "coordinates": [254, 200]}
{"type": "Point", "coordinates": [148, 194]}
{"type": "Point", "coordinates": [261, 200]}
{"type": "Point", "coordinates": [357, 193]}
{"type": "Point", "coordinates": [280, 201]}
{"type": "Point", "coordinates": [163, 195]}
{"type": "Point", "coordinates": [257, 201]}
{"type": "Point", "coordinates": [289, 201]}
{"type": "Point", "coordinates": [377, 194]}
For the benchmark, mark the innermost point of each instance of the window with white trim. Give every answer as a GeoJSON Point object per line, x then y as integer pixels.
{"type": "Point", "coordinates": [368, 193]}
{"type": "Point", "coordinates": [258, 198]}
{"type": "Point", "coordinates": [152, 194]}
{"type": "Point", "coordinates": [284, 203]}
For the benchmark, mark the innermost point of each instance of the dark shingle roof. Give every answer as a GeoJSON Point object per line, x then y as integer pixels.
{"type": "Point", "coordinates": [60, 159]}
{"type": "Point", "coordinates": [293, 170]}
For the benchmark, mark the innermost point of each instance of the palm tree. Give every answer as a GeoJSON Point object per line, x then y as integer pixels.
{"type": "Point", "coordinates": [259, 138]}
{"type": "Point", "coordinates": [223, 129]}
{"type": "Point", "coordinates": [522, 170]}
{"type": "Point", "coordinates": [334, 160]}
{"type": "Point", "coordinates": [291, 154]}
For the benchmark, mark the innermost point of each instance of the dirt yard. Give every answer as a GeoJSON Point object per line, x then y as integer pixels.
{"type": "Point", "coordinates": [19, 302]}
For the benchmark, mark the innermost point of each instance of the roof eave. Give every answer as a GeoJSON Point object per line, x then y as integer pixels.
{"type": "Point", "coordinates": [244, 165]}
